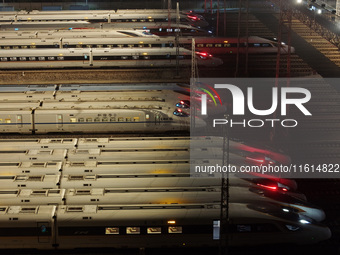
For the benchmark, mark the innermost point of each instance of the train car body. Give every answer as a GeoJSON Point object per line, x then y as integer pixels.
{"type": "Point", "coordinates": [144, 142]}
{"type": "Point", "coordinates": [30, 168]}
{"type": "Point", "coordinates": [37, 155]}
{"type": "Point", "coordinates": [27, 227]}
{"type": "Point", "coordinates": [18, 119]}
{"type": "Point", "coordinates": [108, 17]}
{"type": "Point", "coordinates": [126, 167]}
{"type": "Point", "coordinates": [143, 226]}
{"type": "Point", "coordinates": [130, 110]}
{"type": "Point", "coordinates": [134, 181]}
{"type": "Point", "coordinates": [164, 195]}
{"type": "Point", "coordinates": [29, 181]}
{"type": "Point", "coordinates": [252, 45]}
{"type": "Point", "coordinates": [44, 143]}
{"type": "Point", "coordinates": [105, 120]}
{"type": "Point", "coordinates": [32, 197]}
{"type": "Point", "coordinates": [99, 57]}
{"type": "Point", "coordinates": [75, 33]}
{"type": "Point", "coordinates": [214, 45]}
{"type": "Point", "coordinates": [103, 154]}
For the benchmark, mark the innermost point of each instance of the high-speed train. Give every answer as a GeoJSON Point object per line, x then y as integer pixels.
{"type": "Point", "coordinates": [120, 112]}
{"type": "Point", "coordinates": [161, 195]}
{"type": "Point", "coordinates": [76, 33]}
{"type": "Point", "coordinates": [121, 16]}
{"type": "Point", "coordinates": [142, 226]}
{"type": "Point", "coordinates": [102, 57]}
{"type": "Point", "coordinates": [216, 46]}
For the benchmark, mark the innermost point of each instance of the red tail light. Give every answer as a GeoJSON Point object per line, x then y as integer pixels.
{"type": "Point", "coordinates": [203, 54]}
{"type": "Point", "coordinates": [267, 186]}
{"type": "Point", "coordinates": [194, 18]}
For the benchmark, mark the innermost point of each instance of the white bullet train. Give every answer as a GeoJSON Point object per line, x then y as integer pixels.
{"type": "Point", "coordinates": [75, 33]}
{"type": "Point", "coordinates": [142, 226]}
{"type": "Point", "coordinates": [120, 113]}
{"type": "Point", "coordinates": [102, 57]}
{"type": "Point", "coordinates": [121, 16]}
{"type": "Point", "coordinates": [158, 195]}
{"type": "Point", "coordinates": [212, 45]}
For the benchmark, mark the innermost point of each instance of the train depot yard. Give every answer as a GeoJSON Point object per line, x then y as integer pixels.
{"type": "Point", "coordinates": [105, 143]}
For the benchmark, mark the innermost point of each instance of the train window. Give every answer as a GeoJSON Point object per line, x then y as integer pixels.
{"type": "Point", "coordinates": [218, 45]}
{"type": "Point", "coordinates": [135, 57]}
{"type": "Point", "coordinates": [74, 209]}
{"type": "Point", "coordinates": [200, 45]}
{"type": "Point", "coordinates": [60, 58]}
{"type": "Point", "coordinates": [7, 47]}
{"type": "Point", "coordinates": [105, 119]}
{"type": "Point", "coordinates": [33, 46]}
{"type": "Point", "coordinates": [88, 119]}
{"type": "Point", "coordinates": [22, 58]}
{"type": "Point", "coordinates": [99, 45]}
{"type": "Point", "coordinates": [132, 230]}
{"type": "Point", "coordinates": [38, 164]}
{"type": "Point", "coordinates": [13, 58]}
{"type": "Point", "coordinates": [266, 45]}
{"type": "Point", "coordinates": [32, 58]}
{"type": "Point", "coordinates": [131, 45]}
{"type": "Point", "coordinates": [175, 230]}
{"type": "Point", "coordinates": [73, 119]}
{"type": "Point", "coordinates": [113, 119]}
{"type": "Point", "coordinates": [41, 58]}
{"type": "Point", "coordinates": [120, 45]}
{"type": "Point", "coordinates": [128, 119]}
{"type": "Point", "coordinates": [256, 44]}
{"type": "Point", "coordinates": [83, 192]}
{"type": "Point", "coordinates": [15, 47]}
{"type": "Point", "coordinates": [79, 46]}
{"type": "Point", "coordinates": [51, 58]}
{"type": "Point", "coordinates": [209, 45]}
{"type": "Point", "coordinates": [146, 57]}
{"type": "Point", "coordinates": [3, 59]}
{"type": "Point", "coordinates": [136, 119]}
{"type": "Point", "coordinates": [8, 121]}
{"type": "Point", "coordinates": [216, 230]}
{"type": "Point", "coordinates": [112, 231]}
{"type": "Point", "coordinates": [34, 178]}
{"type": "Point", "coordinates": [154, 230]}
{"type": "Point", "coordinates": [147, 116]}
{"type": "Point", "coordinates": [120, 119]}
{"type": "Point", "coordinates": [97, 119]}
{"type": "Point", "coordinates": [151, 20]}
{"type": "Point", "coordinates": [81, 120]}
{"type": "Point", "coordinates": [169, 30]}
{"type": "Point", "coordinates": [88, 46]}
{"type": "Point", "coordinates": [39, 192]}
{"type": "Point", "coordinates": [124, 57]}
{"type": "Point", "coordinates": [28, 210]}
{"type": "Point", "coordinates": [5, 177]}
{"type": "Point", "coordinates": [110, 45]}
{"type": "Point", "coordinates": [24, 47]}
{"type": "Point", "coordinates": [227, 45]}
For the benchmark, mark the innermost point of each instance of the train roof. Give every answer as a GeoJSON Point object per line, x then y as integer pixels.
{"type": "Point", "coordinates": [103, 51]}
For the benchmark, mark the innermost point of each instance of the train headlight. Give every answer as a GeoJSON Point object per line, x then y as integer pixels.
{"type": "Point", "coordinates": [304, 221]}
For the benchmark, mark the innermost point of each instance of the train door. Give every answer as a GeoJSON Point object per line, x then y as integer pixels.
{"type": "Point", "coordinates": [44, 232]}
{"type": "Point", "coordinates": [59, 121]}
{"type": "Point", "coordinates": [157, 120]}
{"type": "Point", "coordinates": [88, 58]}
{"type": "Point", "coordinates": [19, 121]}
